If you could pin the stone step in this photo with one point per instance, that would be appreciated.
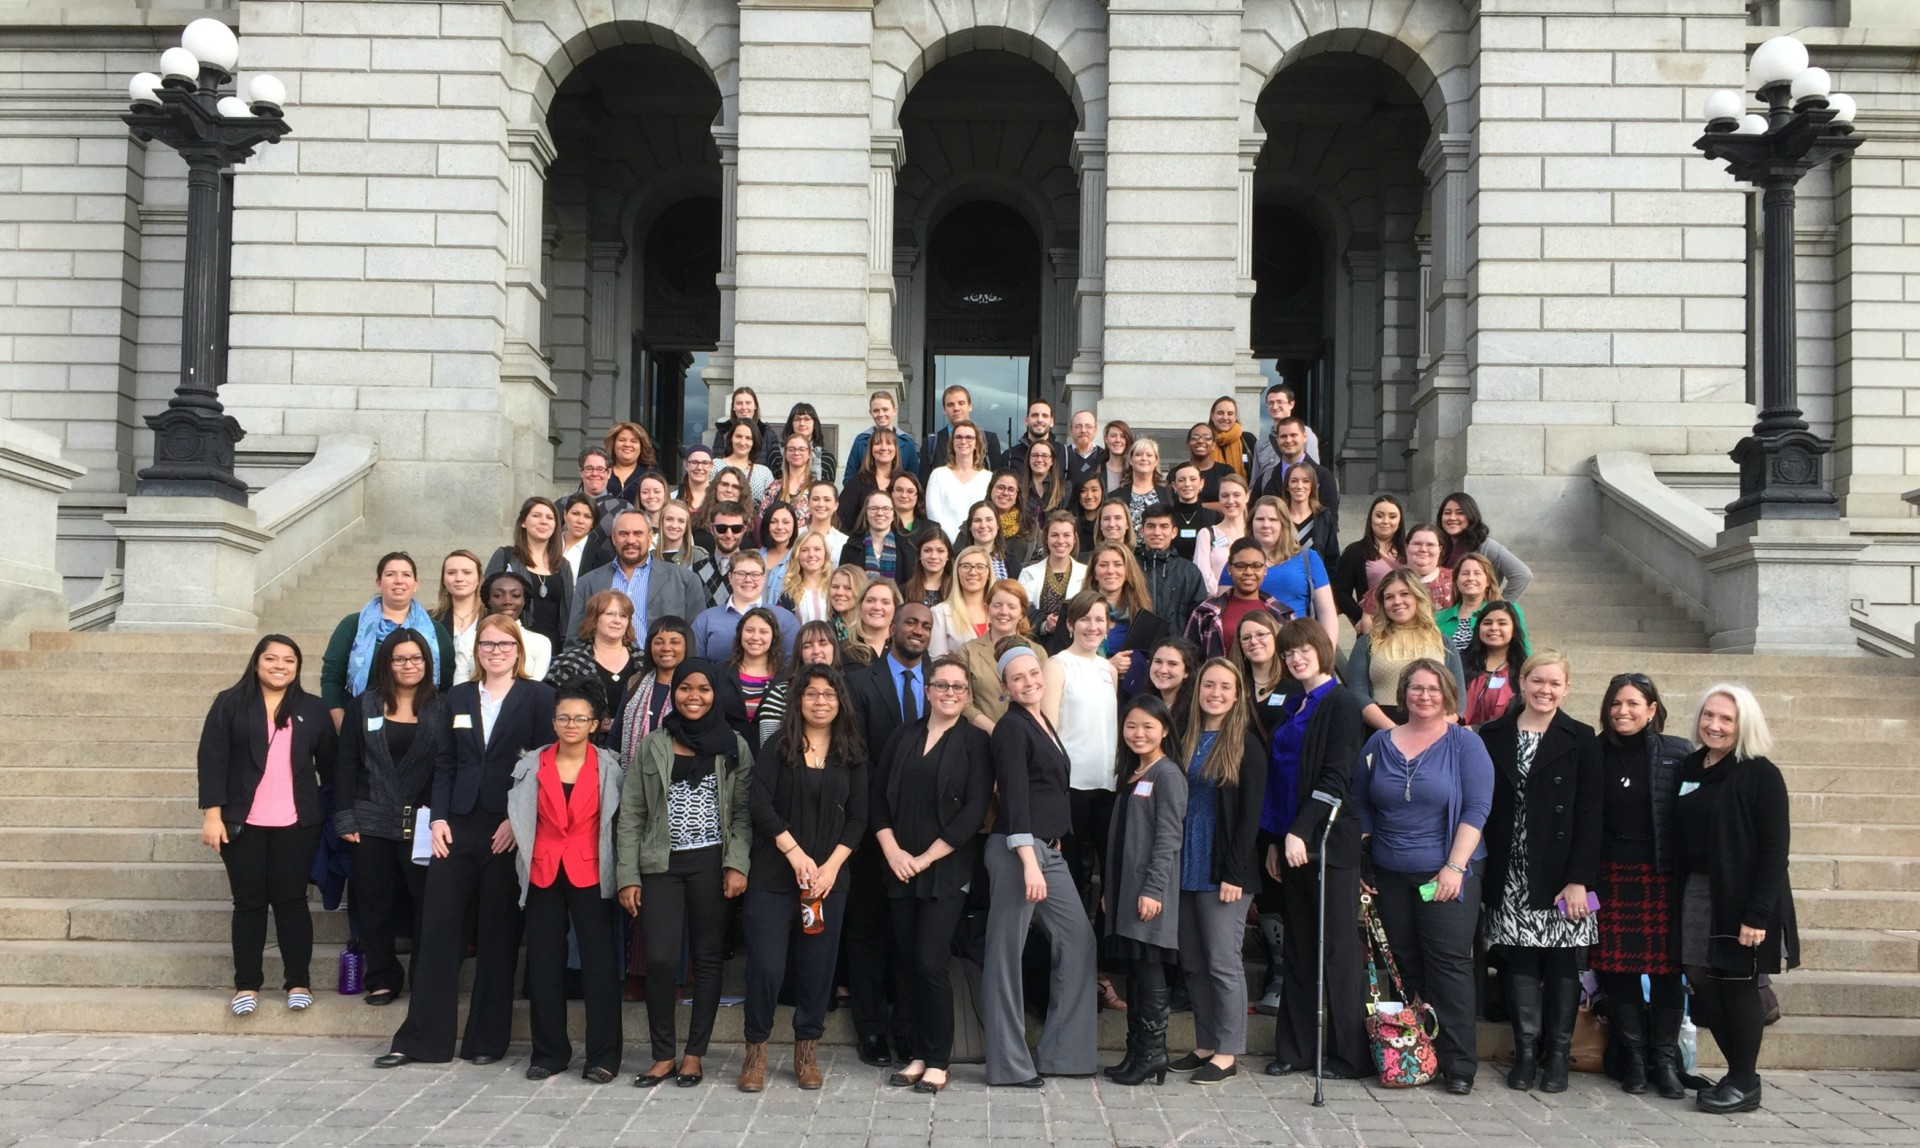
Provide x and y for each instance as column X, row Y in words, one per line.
column 1808, row 992
column 1739, row 667
column 1860, row 950
column 1860, row 808
column 120, row 846
column 88, row 919
column 1855, row 840
column 100, row 812
column 115, row 641
column 129, row 782
column 157, row 880
column 1792, row 749
column 1851, row 779
column 1857, row 909
column 104, row 730
column 154, row 964
column 176, row 754
column 1860, row 874
column 1779, row 707
column 1667, row 641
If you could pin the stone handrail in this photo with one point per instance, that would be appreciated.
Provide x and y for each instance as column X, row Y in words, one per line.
column 308, row 511
column 33, row 476
column 1656, row 531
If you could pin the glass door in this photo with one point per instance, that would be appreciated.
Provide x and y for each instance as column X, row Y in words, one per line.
column 998, row 384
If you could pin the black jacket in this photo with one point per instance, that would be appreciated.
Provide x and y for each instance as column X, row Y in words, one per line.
column 1335, row 734
column 473, row 772
column 963, row 764
column 854, row 553
column 1323, row 537
column 1236, row 819
column 1350, row 577
column 1189, row 519
column 1749, row 839
column 1016, row 457
column 1175, row 583
column 775, row 808
column 233, row 753
column 1032, row 773
column 1273, row 483
column 1077, row 469
column 1563, row 807
column 875, row 694
column 371, row 790
column 1665, row 755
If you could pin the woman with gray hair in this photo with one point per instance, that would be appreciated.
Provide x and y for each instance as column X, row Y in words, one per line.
column 1736, row 910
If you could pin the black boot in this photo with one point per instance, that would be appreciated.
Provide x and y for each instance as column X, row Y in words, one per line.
column 1630, row 1029
column 1560, row 1008
column 1523, row 1009
column 1150, row 1057
column 1663, row 1053
column 1116, row 1071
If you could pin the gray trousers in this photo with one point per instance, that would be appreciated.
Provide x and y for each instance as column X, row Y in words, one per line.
column 1210, row 937
column 1068, row 1039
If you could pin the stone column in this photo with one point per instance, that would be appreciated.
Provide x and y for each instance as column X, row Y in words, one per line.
column 33, row 476
column 907, row 324
column 1248, row 381
column 1061, row 336
column 607, row 400
column 1442, row 405
column 885, row 155
column 719, row 372
column 567, row 337
column 1085, row 373
column 188, row 564
column 1782, row 586
column 526, row 378
column 1358, row 432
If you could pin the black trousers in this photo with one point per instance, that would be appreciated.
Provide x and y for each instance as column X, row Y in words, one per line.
column 1294, row 1027
column 1730, row 1008
column 923, row 953
column 686, row 899
column 771, row 922
column 471, row 877
column 1433, row 946
column 382, row 868
column 549, row 911
column 1085, row 849
column 872, row 989
column 268, row 867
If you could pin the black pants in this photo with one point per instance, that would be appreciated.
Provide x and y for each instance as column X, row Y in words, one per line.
column 471, row 877
column 1433, row 946
column 1294, row 1027
column 771, row 922
column 382, row 868
column 1665, row 990
column 269, row 867
column 922, row 954
column 686, row 899
column 549, row 911
column 1085, row 849
column 867, row 943
column 1730, row 1008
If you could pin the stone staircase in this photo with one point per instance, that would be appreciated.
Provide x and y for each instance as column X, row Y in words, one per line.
column 113, row 916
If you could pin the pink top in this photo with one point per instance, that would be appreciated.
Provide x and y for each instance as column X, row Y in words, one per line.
column 273, row 798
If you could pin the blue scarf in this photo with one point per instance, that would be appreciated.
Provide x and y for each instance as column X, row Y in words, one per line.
column 374, row 629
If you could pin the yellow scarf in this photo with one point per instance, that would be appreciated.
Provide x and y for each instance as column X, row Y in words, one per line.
column 1230, row 450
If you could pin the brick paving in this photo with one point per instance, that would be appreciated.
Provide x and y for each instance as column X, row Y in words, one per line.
column 175, row 1090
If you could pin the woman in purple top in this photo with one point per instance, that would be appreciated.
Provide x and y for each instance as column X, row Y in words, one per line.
column 1423, row 792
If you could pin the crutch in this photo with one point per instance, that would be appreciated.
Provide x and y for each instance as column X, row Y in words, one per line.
column 1320, row 958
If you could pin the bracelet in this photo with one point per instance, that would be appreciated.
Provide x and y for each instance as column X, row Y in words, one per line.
column 1460, row 869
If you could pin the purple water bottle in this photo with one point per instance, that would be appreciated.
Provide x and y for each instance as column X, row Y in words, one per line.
column 353, row 970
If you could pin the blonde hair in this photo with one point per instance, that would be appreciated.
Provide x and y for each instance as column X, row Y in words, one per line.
column 794, row 584
column 1287, row 545
column 856, row 578
column 1545, row 658
column 1419, row 638
column 956, row 600
column 1485, row 564
column 684, row 555
column 505, row 625
column 1751, row 736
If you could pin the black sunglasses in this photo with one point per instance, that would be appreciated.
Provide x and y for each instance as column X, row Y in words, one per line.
column 728, row 528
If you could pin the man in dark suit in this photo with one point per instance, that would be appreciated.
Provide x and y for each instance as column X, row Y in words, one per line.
column 958, row 404
column 1039, row 429
column 657, row 589
column 1290, row 434
column 888, row 693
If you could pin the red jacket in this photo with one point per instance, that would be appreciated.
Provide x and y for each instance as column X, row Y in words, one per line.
column 567, row 837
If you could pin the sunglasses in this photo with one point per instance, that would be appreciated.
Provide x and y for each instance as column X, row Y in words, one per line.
column 728, row 527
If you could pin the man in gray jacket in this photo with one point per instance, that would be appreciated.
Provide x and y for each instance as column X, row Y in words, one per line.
column 657, row 589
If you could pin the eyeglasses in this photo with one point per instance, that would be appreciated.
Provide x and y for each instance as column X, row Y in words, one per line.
column 574, row 719
column 1300, row 653
column 495, row 647
column 947, row 687
column 1425, row 692
column 1247, row 567
column 729, row 527
column 750, row 575
column 409, row 660
column 820, row 696
column 593, row 470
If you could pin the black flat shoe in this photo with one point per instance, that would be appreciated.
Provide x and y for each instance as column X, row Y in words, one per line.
column 1036, row 1082
column 1340, row 1070
column 1187, row 1063
column 535, row 1072
column 483, row 1058
column 383, row 997
column 1210, row 1073
column 648, row 1080
column 1283, row 1068
column 1460, row 1085
column 393, row 1060
column 903, row 1080
column 874, row 1051
column 598, row 1075
column 1725, row 1099
column 689, row 1079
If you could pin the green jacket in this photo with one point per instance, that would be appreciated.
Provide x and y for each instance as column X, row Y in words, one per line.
column 333, row 663
column 640, row 835
column 1449, row 618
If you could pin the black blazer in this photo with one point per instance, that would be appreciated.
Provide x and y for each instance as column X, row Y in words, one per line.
column 233, row 753
column 1564, row 796
column 1144, row 631
column 472, row 773
column 774, row 807
column 371, row 790
column 1750, row 835
column 1032, row 771
column 1236, row 819
column 1350, row 577
column 876, row 700
column 963, row 763
column 1335, row 735
column 854, row 553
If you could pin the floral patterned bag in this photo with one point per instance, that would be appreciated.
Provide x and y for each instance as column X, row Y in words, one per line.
column 1402, row 1037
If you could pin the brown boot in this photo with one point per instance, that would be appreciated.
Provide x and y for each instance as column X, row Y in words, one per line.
column 753, row 1069
column 806, row 1064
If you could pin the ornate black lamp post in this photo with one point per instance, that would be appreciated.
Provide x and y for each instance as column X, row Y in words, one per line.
column 1805, row 125
column 192, row 111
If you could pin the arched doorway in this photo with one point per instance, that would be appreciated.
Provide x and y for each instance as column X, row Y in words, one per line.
column 633, row 218
column 1289, row 310
column 986, row 246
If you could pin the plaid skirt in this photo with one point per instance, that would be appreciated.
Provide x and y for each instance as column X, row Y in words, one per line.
column 1636, row 921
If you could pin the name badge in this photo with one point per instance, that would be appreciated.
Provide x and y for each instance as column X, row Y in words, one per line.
column 374, row 724
column 1496, row 681
column 1687, row 787
column 1190, row 533
column 1143, row 789
column 463, row 721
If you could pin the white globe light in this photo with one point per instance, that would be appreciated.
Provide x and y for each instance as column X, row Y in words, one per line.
column 144, row 88
column 1751, row 125
column 179, row 62
column 233, row 107
column 1779, row 60
column 1843, row 107
column 213, row 42
column 1726, row 105
column 1812, row 82
column 264, row 89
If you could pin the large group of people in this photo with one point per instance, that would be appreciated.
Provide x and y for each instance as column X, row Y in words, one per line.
column 872, row 727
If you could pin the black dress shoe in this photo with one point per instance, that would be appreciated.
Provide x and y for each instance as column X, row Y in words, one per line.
column 648, row 1080
column 383, row 997
column 535, row 1072
column 1340, row 1070
column 874, row 1051
column 598, row 1075
column 1036, row 1082
column 689, row 1079
column 392, row 1060
column 483, row 1058
column 1725, row 1100
column 1284, row 1068
column 1460, row 1085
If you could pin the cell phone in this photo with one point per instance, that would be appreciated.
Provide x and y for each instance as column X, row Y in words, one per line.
column 1593, row 903
column 1428, row 890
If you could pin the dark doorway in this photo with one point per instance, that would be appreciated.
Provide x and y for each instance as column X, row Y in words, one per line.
column 682, row 325
column 1289, row 310
column 983, row 313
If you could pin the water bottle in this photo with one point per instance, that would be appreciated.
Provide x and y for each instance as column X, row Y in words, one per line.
column 1689, row 1044
column 353, row 970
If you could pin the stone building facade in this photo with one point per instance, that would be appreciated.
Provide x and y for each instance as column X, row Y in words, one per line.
column 1473, row 233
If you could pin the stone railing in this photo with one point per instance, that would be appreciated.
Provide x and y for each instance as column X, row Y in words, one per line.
column 311, row 510
column 33, row 476
column 1656, row 531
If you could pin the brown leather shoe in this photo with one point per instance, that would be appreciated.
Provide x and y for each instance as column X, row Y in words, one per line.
column 806, row 1064
column 753, row 1068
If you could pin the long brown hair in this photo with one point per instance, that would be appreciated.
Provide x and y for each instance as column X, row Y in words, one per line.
column 523, row 543
column 443, row 613
column 1227, row 755
column 1133, row 597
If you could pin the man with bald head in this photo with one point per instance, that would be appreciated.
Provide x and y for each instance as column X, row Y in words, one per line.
column 656, row 589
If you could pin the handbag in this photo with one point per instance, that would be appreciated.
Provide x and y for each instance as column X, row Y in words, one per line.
column 1402, row 1039
column 1588, row 1051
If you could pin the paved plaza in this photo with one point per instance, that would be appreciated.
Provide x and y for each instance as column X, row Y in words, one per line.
column 72, row 1090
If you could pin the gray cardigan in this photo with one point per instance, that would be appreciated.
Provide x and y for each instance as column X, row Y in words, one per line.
column 1143, row 859
column 523, row 814
column 1515, row 575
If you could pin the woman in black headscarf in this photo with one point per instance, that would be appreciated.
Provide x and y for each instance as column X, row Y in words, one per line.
column 683, row 838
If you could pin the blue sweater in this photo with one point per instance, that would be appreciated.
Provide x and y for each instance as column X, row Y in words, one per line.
column 1412, row 810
